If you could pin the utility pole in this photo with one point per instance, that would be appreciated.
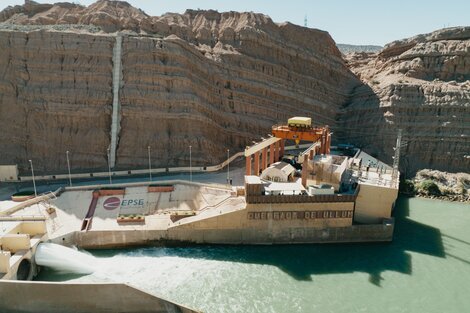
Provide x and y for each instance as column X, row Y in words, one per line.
column 150, row 163
column 228, row 166
column 190, row 166
column 68, row 166
column 34, row 182
column 109, row 170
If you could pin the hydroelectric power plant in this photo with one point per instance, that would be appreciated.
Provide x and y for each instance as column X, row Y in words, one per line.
column 314, row 195
column 134, row 178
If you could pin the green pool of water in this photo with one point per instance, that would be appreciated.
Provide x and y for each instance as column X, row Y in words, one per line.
column 425, row 269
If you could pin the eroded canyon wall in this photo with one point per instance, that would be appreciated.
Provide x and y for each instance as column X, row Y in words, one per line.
column 217, row 81
column 55, row 95
column 422, row 86
column 211, row 80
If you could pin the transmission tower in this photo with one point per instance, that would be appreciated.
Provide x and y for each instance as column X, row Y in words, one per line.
column 396, row 160
column 305, row 21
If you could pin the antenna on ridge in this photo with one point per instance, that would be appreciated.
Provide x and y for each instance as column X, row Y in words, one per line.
column 305, row 20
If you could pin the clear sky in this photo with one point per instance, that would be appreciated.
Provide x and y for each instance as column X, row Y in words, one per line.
column 355, row 22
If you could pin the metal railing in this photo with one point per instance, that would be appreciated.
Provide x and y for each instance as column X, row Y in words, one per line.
column 40, row 198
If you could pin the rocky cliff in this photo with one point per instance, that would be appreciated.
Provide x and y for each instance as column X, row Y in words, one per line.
column 422, row 86
column 55, row 91
column 213, row 81
column 207, row 79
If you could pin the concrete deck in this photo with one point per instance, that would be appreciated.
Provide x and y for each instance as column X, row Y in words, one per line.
column 157, row 207
column 134, row 214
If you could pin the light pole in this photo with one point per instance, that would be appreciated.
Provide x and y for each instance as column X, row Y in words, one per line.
column 109, row 170
column 68, row 166
column 228, row 166
column 190, row 166
column 150, row 164
column 34, row 182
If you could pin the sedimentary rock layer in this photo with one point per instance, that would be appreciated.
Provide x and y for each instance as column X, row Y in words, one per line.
column 217, row 81
column 420, row 85
column 211, row 80
column 55, row 95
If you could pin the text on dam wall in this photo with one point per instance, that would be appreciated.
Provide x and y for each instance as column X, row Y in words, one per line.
column 292, row 215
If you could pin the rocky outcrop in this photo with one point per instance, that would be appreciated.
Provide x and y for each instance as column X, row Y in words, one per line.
column 450, row 186
column 30, row 8
column 422, row 86
column 206, row 79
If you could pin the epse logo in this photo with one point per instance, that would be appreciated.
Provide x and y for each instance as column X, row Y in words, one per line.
column 114, row 202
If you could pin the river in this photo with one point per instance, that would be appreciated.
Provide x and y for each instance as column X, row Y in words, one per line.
column 425, row 269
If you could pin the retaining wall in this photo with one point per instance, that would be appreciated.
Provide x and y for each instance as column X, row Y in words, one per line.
column 52, row 297
column 291, row 235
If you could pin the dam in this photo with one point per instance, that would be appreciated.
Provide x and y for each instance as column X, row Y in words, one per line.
column 311, row 194
column 330, row 198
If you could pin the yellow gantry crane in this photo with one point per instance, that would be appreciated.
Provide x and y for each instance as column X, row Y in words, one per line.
column 300, row 129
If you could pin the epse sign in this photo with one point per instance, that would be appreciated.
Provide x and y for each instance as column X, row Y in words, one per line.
column 114, row 202
column 132, row 202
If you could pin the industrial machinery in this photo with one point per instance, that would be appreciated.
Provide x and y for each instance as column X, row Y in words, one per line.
column 300, row 129
column 297, row 129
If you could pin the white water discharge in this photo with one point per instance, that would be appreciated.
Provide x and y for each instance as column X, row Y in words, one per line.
column 65, row 259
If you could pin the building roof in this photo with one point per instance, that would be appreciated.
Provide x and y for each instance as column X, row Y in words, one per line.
column 283, row 166
column 252, row 179
column 279, row 171
column 275, row 186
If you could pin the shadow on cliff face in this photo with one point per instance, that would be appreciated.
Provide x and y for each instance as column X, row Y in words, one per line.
column 364, row 123
column 304, row 262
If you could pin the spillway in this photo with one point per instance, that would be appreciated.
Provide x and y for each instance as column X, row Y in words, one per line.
column 65, row 260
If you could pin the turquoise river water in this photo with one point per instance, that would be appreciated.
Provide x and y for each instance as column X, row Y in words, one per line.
column 425, row 269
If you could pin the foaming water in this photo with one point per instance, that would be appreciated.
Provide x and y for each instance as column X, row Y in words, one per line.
column 425, row 269
column 64, row 260
column 206, row 278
